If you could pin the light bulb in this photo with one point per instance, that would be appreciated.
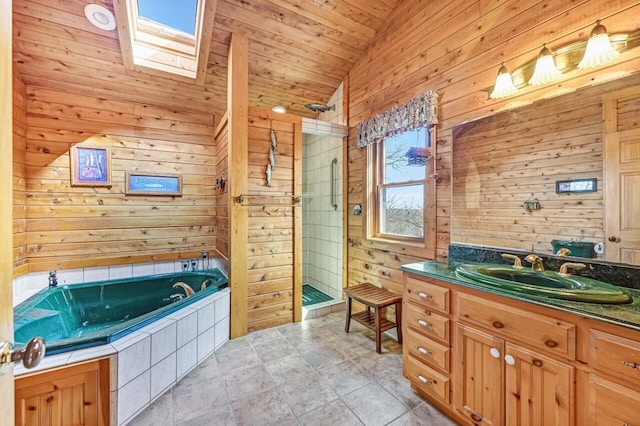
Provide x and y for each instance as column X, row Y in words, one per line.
column 504, row 84
column 545, row 71
column 599, row 50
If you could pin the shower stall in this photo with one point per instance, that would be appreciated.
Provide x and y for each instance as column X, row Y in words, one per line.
column 322, row 221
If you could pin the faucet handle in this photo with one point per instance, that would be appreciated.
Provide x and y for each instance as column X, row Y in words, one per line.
column 563, row 268
column 532, row 258
column 563, row 252
column 517, row 263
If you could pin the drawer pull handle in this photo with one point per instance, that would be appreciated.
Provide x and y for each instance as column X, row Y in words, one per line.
column 424, row 379
column 424, row 295
column 424, row 323
column 498, row 324
column 476, row 417
column 423, row 351
column 551, row 343
column 510, row 360
column 631, row 364
column 494, row 353
column 537, row 362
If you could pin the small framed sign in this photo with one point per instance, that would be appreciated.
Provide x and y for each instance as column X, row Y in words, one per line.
column 576, row 185
column 153, row 184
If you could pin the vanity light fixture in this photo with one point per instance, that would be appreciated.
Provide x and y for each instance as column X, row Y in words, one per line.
column 279, row 109
column 546, row 70
column 599, row 50
column 100, row 17
column 504, row 84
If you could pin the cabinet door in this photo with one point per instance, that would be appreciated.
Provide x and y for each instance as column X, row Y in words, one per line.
column 539, row 390
column 69, row 396
column 478, row 376
column 611, row 403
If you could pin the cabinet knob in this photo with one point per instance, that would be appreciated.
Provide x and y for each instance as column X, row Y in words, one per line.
column 614, row 239
column 497, row 324
column 494, row 353
column 509, row 360
column 551, row 343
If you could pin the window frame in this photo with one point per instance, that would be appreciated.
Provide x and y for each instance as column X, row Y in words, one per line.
column 376, row 184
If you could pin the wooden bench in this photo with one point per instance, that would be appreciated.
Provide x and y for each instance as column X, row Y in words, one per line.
column 376, row 298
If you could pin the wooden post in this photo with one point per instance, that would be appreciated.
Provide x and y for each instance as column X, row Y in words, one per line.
column 238, row 110
column 6, row 201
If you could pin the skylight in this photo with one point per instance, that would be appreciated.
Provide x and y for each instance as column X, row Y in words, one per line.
column 166, row 35
column 179, row 15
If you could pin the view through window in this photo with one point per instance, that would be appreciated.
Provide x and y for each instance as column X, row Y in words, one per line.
column 179, row 15
column 400, row 179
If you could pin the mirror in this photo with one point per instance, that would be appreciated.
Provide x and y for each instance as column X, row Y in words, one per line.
column 550, row 155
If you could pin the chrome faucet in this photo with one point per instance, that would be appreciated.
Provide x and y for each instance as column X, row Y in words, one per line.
column 53, row 279
column 536, row 262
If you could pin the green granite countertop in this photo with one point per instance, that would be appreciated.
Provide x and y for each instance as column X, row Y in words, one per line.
column 627, row 315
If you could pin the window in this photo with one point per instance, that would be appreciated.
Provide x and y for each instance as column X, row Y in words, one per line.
column 401, row 196
column 166, row 36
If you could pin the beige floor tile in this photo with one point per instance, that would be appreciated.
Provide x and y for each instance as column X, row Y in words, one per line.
column 373, row 405
column 307, row 393
column 247, row 382
column 267, row 408
column 335, row 413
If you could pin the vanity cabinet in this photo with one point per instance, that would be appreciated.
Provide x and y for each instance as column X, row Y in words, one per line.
column 495, row 377
column 501, row 363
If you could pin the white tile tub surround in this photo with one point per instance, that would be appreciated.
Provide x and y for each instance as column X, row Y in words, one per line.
column 27, row 285
column 151, row 360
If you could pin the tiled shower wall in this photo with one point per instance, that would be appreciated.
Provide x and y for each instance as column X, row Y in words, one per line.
column 321, row 224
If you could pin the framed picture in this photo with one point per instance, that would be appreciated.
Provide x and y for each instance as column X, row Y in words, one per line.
column 576, row 185
column 90, row 165
column 153, row 184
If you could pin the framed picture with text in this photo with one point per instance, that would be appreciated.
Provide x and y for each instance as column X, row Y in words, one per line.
column 153, row 184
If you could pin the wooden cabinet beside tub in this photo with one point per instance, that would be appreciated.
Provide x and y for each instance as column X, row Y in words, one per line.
column 75, row 395
column 486, row 359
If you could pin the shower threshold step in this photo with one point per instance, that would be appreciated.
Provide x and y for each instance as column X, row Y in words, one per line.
column 324, row 308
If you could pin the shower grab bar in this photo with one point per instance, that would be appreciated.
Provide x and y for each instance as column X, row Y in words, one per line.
column 295, row 200
column 333, row 200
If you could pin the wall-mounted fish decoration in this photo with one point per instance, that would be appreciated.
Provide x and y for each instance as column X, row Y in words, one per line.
column 268, row 171
column 272, row 159
column 274, row 141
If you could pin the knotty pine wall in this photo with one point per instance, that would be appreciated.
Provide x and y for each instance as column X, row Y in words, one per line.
column 499, row 161
column 72, row 227
column 222, row 194
column 19, row 175
column 274, row 246
column 456, row 48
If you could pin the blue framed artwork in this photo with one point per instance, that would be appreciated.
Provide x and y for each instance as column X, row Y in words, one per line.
column 153, row 184
column 576, row 185
column 90, row 165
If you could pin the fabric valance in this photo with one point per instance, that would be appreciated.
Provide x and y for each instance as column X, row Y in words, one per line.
column 421, row 111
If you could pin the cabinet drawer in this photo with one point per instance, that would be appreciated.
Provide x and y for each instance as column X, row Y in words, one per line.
column 427, row 379
column 426, row 322
column 555, row 336
column 614, row 354
column 427, row 351
column 428, row 295
column 612, row 404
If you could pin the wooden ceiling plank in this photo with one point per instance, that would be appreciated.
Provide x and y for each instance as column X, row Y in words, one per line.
column 255, row 23
column 343, row 24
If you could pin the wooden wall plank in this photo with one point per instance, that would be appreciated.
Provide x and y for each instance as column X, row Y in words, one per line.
column 19, row 173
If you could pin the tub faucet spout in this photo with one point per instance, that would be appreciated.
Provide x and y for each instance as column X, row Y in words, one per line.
column 536, row 262
column 53, row 279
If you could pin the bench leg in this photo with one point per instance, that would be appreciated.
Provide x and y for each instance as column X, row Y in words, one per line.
column 348, row 320
column 399, row 321
column 378, row 332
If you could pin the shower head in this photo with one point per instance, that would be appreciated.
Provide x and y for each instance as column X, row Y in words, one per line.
column 320, row 108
